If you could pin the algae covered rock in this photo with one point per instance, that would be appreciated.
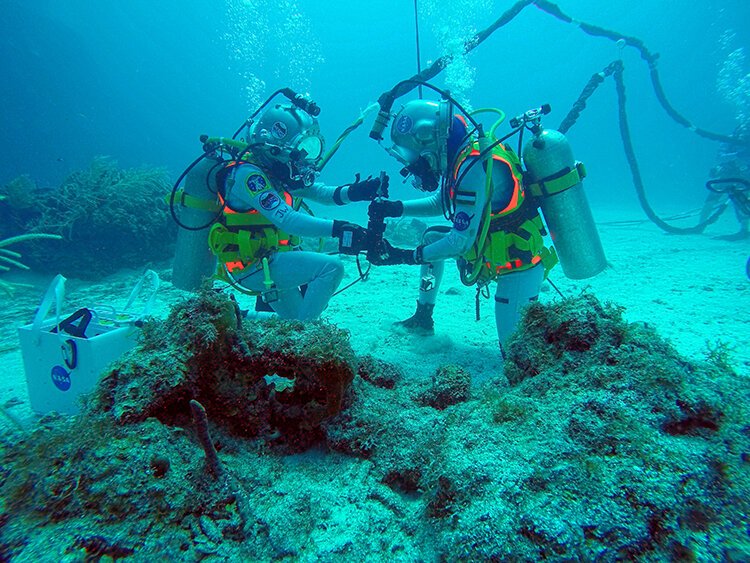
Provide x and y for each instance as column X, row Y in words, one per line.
column 273, row 378
column 451, row 385
column 127, row 476
column 605, row 445
column 379, row 373
column 564, row 335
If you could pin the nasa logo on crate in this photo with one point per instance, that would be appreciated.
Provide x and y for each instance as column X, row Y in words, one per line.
column 60, row 377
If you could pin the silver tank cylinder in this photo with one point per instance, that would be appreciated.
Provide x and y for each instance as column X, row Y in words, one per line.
column 566, row 213
column 193, row 260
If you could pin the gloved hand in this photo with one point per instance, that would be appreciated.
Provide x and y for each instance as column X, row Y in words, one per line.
column 388, row 255
column 352, row 237
column 385, row 208
column 369, row 189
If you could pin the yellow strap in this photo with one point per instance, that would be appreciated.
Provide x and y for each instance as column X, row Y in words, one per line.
column 248, row 245
column 228, row 142
column 549, row 259
column 559, row 184
column 267, row 281
column 535, row 242
column 187, row 200
column 219, row 237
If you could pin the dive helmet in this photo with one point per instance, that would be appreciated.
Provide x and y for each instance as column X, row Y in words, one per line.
column 286, row 134
column 420, row 133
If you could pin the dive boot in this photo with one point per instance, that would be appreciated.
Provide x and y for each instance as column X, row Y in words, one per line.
column 421, row 322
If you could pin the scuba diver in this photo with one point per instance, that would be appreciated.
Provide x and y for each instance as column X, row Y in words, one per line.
column 731, row 183
column 479, row 184
column 258, row 191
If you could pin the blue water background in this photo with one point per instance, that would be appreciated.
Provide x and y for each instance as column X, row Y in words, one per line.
column 140, row 81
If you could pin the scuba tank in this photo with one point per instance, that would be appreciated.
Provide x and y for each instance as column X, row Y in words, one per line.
column 193, row 260
column 555, row 179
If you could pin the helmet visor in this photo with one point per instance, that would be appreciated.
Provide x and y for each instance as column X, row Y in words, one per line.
column 312, row 147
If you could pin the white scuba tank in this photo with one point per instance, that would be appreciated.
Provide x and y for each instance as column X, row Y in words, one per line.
column 548, row 157
column 193, row 260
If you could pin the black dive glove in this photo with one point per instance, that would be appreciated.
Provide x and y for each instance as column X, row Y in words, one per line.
column 364, row 190
column 352, row 237
column 389, row 255
column 384, row 208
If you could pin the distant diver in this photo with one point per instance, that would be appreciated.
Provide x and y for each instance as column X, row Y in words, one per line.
column 731, row 183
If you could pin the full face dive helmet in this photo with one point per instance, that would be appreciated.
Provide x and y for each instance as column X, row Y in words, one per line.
column 288, row 140
column 420, row 133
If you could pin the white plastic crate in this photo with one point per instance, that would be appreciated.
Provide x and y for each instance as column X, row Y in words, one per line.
column 64, row 356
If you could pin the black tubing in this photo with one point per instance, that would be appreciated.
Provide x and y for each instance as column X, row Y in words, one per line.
column 650, row 58
column 173, row 194
column 386, row 99
column 635, row 170
column 580, row 104
column 406, row 86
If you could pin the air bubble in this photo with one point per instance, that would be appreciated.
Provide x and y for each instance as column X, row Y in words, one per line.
column 733, row 80
column 270, row 42
column 453, row 24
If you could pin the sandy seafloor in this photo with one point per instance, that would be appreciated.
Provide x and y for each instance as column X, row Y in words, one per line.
column 692, row 288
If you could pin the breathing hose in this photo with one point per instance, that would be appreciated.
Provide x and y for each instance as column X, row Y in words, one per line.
column 615, row 69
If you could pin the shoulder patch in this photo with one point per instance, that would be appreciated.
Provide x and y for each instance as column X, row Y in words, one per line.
column 256, row 183
column 269, row 201
column 461, row 221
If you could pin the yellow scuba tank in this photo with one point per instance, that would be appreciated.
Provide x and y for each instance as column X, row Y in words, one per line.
column 193, row 260
column 555, row 179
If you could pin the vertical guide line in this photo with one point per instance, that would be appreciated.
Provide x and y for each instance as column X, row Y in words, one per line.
column 419, row 58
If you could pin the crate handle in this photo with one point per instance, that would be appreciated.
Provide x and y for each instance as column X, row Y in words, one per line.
column 55, row 293
column 153, row 277
column 68, row 326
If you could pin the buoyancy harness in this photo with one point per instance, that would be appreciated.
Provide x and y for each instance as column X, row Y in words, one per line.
column 511, row 231
column 244, row 238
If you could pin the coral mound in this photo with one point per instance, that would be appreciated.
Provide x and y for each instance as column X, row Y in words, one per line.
column 275, row 379
column 131, row 470
column 600, row 443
